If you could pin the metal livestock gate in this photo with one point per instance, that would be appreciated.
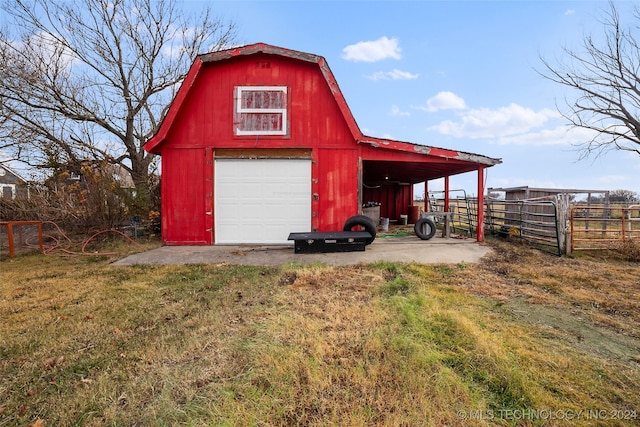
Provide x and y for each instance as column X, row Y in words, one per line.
column 603, row 227
column 540, row 223
column 552, row 223
column 535, row 222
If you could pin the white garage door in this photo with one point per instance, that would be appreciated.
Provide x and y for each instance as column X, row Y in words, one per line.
column 261, row 201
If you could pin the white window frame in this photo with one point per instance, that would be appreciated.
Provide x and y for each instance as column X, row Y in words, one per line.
column 12, row 187
column 282, row 111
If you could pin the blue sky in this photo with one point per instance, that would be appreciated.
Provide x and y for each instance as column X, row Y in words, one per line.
column 452, row 74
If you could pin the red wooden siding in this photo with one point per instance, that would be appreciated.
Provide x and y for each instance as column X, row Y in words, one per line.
column 395, row 199
column 337, row 178
column 185, row 191
column 315, row 121
column 206, row 117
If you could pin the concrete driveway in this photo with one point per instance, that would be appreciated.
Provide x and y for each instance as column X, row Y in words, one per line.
column 404, row 249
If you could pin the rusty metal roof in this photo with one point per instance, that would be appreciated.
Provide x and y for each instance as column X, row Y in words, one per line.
column 460, row 161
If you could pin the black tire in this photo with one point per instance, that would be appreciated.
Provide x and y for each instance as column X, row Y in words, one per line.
column 427, row 225
column 364, row 222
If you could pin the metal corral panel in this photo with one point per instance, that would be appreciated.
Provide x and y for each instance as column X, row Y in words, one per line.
column 261, row 201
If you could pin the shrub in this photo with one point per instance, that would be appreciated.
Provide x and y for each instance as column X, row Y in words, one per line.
column 97, row 200
column 629, row 250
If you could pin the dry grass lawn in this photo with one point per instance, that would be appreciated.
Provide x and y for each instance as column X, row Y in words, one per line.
column 522, row 338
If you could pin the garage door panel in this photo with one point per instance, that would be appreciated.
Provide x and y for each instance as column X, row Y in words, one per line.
column 261, row 201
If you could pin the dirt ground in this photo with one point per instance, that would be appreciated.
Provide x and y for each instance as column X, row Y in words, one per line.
column 590, row 301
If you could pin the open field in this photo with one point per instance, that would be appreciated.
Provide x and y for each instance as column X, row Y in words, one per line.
column 523, row 338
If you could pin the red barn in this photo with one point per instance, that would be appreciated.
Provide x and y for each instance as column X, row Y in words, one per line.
column 259, row 142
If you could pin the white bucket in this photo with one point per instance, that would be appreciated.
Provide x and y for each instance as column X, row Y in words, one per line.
column 384, row 223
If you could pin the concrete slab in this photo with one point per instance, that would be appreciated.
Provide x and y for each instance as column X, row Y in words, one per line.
column 405, row 249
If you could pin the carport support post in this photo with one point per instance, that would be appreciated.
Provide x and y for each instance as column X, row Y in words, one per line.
column 480, row 227
column 426, row 195
column 446, row 193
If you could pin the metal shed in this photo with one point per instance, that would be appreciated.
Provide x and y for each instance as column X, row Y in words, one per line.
column 259, row 141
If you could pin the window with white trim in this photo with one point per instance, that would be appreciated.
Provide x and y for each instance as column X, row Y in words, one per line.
column 260, row 110
column 8, row 191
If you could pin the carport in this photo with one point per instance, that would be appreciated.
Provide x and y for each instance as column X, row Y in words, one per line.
column 390, row 180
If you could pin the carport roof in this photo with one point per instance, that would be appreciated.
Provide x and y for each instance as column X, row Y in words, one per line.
column 412, row 163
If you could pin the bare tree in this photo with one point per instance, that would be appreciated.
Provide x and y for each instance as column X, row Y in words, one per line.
column 623, row 196
column 605, row 77
column 92, row 79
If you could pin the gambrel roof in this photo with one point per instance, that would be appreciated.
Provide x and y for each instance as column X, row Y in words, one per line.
column 411, row 156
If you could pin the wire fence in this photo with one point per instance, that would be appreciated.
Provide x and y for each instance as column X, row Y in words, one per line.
column 16, row 236
column 19, row 237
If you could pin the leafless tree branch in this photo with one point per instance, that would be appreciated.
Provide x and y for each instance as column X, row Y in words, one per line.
column 605, row 79
column 92, row 79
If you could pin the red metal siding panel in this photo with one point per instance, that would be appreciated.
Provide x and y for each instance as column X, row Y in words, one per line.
column 395, row 199
column 383, row 153
column 185, row 190
column 337, row 175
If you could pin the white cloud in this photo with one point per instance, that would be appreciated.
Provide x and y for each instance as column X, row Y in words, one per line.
column 177, row 40
column 444, row 101
column 48, row 47
column 4, row 157
column 395, row 74
column 395, row 111
column 372, row 51
column 173, row 51
column 560, row 135
column 500, row 123
column 611, row 179
column 569, row 12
